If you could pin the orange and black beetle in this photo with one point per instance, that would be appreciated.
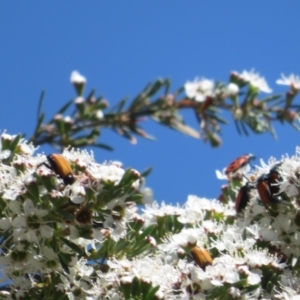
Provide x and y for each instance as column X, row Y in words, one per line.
column 61, row 167
column 201, row 257
column 268, row 188
column 274, row 178
column 242, row 197
column 239, row 163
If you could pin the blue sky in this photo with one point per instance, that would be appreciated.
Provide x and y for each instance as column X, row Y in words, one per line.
column 120, row 46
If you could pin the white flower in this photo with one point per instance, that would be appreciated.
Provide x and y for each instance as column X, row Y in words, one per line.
column 121, row 213
column 79, row 100
column 289, row 288
column 23, row 223
column 234, row 292
column 5, row 223
column 76, row 192
column 15, row 207
column 77, row 78
column 106, row 172
column 255, row 80
column 200, row 205
column 289, row 170
column 147, row 195
column 257, row 258
column 253, row 279
column 221, row 175
column 152, row 270
column 199, row 89
column 232, row 89
column 79, row 157
column 293, row 81
column 68, row 119
column 26, row 148
column 154, row 210
column 296, row 239
column 195, row 209
column 99, row 114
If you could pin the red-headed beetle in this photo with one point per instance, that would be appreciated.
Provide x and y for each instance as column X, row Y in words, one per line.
column 239, row 163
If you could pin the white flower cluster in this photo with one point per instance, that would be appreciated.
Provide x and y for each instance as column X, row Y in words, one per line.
column 261, row 242
column 200, row 89
column 87, row 240
column 238, row 259
column 48, row 227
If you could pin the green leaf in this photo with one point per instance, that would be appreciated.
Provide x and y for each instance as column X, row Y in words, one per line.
column 136, row 198
column 80, row 142
column 119, row 106
column 126, row 177
column 34, row 191
column 185, row 129
column 39, row 111
column 167, row 85
column 219, row 119
column 244, row 129
column 147, row 88
column 60, row 124
column 178, row 91
column 270, row 98
column 146, row 286
column 65, row 107
column 276, row 104
column 146, row 172
column 15, row 143
column 40, row 120
column 103, row 146
column 63, row 264
column 139, row 101
column 237, row 126
column 13, row 148
column 72, row 245
column 91, row 95
column 155, row 87
column 252, row 288
column 136, row 287
column 54, row 244
column 146, row 232
column 151, row 293
column 67, row 215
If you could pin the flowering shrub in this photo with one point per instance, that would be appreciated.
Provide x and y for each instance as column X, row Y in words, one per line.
column 93, row 239
column 80, row 121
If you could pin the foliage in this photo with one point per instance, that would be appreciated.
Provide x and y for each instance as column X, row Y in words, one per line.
column 207, row 99
column 77, row 229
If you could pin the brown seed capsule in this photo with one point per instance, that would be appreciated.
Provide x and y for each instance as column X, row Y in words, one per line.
column 201, row 257
column 83, row 215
